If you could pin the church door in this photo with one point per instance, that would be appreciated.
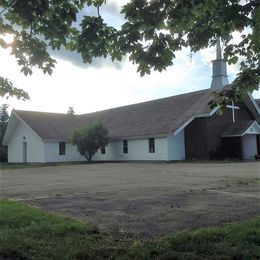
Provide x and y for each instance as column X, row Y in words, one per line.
column 249, row 147
column 24, row 152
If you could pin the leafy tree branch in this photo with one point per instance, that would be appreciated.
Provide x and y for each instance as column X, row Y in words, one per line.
column 7, row 90
column 152, row 33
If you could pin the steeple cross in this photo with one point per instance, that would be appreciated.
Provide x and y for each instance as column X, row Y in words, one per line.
column 233, row 107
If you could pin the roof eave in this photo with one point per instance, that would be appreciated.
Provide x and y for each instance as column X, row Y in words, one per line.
column 20, row 118
column 10, row 128
column 244, row 132
column 227, row 136
column 186, row 123
column 254, row 102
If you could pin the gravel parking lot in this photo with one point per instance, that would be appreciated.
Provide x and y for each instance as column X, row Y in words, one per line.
column 141, row 199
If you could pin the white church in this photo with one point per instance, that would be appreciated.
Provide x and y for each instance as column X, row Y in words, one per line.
column 181, row 127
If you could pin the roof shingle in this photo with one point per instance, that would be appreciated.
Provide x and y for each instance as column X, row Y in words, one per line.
column 237, row 129
column 156, row 117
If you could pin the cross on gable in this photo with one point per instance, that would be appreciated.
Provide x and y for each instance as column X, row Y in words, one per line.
column 233, row 107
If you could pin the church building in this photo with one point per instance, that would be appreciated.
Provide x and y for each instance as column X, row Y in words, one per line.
column 181, row 127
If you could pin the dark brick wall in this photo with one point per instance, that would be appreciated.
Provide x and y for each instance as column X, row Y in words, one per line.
column 195, row 139
column 258, row 144
column 231, row 148
column 217, row 124
column 203, row 135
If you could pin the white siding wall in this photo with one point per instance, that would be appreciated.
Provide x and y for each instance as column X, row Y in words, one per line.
column 139, row 150
column 52, row 153
column 113, row 152
column 167, row 148
column 176, row 147
column 35, row 146
column 249, row 147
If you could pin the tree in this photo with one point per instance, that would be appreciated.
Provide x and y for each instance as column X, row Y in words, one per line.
column 89, row 139
column 152, row 34
column 4, row 117
column 71, row 111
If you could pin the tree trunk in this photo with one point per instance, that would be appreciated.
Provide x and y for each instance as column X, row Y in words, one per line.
column 89, row 156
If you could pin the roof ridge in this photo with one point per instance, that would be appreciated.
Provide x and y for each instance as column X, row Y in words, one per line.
column 145, row 102
column 197, row 102
column 113, row 108
column 40, row 112
column 160, row 116
column 192, row 107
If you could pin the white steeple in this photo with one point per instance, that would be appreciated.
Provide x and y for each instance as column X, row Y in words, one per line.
column 219, row 69
column 219, row 51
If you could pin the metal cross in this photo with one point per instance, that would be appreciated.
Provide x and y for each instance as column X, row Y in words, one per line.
column 233, row 107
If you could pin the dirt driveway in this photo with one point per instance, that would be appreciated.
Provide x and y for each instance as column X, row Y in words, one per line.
column 141, row 199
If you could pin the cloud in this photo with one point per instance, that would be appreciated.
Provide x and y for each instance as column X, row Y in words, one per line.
column 102, row 85
column 76, row 59
column 110, row 12
column 95, row 89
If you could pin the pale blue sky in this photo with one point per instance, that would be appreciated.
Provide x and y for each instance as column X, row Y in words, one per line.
column 103, row 84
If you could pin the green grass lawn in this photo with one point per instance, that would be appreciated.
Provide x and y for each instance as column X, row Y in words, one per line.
column 29, row 233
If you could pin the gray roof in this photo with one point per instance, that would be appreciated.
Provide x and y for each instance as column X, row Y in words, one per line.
column 157, row 117
column 237, row 129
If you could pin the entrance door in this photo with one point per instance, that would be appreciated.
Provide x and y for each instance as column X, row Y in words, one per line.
column 25, row 152
column 249, row 147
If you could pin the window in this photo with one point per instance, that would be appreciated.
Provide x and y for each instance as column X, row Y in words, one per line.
column 103, row 149
column 62, row 148
column 151, row 145
column 125, row 146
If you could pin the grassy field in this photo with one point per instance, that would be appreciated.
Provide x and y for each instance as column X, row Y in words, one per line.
column 8, row 166
column 29, row 233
